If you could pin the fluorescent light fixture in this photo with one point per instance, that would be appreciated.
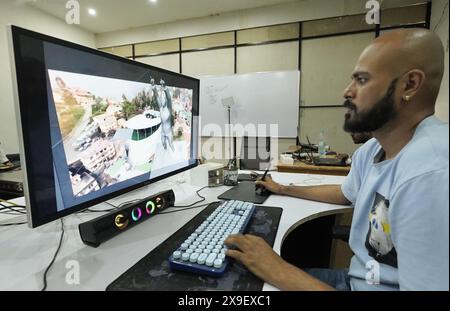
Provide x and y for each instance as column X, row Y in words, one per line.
column 92, row 12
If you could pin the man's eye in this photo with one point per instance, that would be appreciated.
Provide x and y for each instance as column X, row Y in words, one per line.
column 362, row 80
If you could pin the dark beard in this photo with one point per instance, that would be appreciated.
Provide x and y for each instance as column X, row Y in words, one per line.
column 382, row 112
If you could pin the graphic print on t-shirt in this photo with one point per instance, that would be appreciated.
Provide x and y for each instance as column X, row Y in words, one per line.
column 378, row 240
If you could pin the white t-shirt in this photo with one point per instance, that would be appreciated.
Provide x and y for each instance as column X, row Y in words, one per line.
column 400, row 228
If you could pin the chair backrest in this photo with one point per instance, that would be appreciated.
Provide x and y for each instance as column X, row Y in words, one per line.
column 255, row 153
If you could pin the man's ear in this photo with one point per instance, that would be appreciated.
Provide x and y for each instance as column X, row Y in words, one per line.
column 412, row 82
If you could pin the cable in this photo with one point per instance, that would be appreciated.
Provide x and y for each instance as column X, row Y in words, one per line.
column 13, row 224
column 6, row 201
column 101, row 211
column 440, row 19
column 13, row 205
column 54, row 257
column 12, row 208
column 111, row 204
column 198, row 193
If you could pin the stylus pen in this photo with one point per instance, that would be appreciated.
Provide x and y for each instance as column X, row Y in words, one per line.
column 265, row 173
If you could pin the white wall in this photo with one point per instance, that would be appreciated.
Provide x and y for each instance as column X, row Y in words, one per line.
column 30, row 18
column 278, row 14
column 442, row 31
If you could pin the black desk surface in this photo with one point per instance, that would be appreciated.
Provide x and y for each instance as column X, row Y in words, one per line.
column 244, row 191
column 152, row 272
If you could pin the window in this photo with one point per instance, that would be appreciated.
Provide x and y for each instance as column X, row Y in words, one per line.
column 271, row 33
column 335, row 25
column 403, row 16
column 124, row 51
column 207, row 41
column 157, row 47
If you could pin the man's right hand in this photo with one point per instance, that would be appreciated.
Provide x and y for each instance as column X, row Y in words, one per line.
column 270, row 185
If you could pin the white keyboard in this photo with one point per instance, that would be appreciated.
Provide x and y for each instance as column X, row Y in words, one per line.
column 203, row 251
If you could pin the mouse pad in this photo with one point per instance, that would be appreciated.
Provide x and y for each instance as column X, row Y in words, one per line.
column 152, row 272
column 244, row 191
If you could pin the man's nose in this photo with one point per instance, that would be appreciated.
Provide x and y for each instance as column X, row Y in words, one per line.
column 349, row 92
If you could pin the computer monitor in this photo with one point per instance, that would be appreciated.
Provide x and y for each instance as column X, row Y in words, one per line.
column 94, row 125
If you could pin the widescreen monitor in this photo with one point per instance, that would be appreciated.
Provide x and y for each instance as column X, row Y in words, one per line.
column 94, row 125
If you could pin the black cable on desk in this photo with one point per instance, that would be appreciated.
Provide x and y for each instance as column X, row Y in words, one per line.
column 11, row 208
column 201, row 200
column 54, row 257
column 198, row 193
column 104, row 210
column 13, row 224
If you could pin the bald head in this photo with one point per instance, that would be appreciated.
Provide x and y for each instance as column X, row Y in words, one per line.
column 395, row 82
column 400, row 51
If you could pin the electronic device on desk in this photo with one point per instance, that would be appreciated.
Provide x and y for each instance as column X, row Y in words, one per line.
column 103, row 228
column 9, row 162
column 11, row 184
column 308, row 147
column 108, row 131
column 338, row 160
column 207, row 174
column 252, row 176
column 203, row 251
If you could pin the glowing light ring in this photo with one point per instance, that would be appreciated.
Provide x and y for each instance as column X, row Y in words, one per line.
column 149, row 205
column 118, row 221
column 133, row 214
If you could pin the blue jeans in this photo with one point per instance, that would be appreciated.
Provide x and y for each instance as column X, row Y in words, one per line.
column 338, row 279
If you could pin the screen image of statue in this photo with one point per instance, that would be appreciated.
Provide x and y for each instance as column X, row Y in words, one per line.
column 113, row 130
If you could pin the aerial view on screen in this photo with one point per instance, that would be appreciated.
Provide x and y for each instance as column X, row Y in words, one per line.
column 113, row 130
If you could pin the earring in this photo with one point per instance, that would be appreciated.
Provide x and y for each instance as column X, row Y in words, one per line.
column 407, row 98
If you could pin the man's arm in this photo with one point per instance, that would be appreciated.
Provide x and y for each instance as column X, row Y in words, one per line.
column 262, row 261
column 323, row 193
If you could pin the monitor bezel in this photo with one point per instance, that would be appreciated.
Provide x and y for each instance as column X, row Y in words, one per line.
column 32, row 216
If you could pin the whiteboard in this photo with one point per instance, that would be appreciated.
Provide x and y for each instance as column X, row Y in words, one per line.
column 259, row 99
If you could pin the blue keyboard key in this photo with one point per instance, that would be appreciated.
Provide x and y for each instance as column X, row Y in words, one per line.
column 203, row 252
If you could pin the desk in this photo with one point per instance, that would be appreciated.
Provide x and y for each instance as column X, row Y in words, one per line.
column 25, row 253
column 300, row 167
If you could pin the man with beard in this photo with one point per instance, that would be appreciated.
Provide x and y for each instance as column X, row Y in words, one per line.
column 361, row 137
column 398, row 182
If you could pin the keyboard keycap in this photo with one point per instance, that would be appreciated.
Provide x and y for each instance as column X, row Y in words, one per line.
column 203, row 251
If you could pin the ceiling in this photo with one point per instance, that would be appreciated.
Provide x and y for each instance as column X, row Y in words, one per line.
column 115, row 15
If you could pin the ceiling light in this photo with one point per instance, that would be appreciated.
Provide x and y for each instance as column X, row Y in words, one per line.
column 92, row 12
column 153, row 1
